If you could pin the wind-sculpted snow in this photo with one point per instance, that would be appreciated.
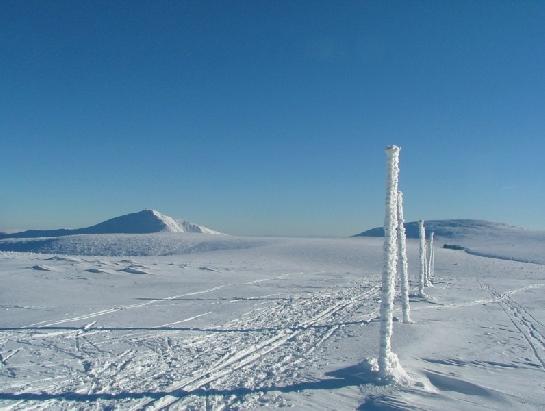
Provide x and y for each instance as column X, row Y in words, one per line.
column 127, row 244
column 526, row 249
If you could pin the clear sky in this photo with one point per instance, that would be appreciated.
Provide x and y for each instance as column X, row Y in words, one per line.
column 270, row 117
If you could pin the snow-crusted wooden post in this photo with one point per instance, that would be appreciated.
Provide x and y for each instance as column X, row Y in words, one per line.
column 403, row 265
column 386, row 357
column 423, row 269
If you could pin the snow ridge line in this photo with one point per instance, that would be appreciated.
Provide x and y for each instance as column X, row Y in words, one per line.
column 250, row 355
column 524, row 323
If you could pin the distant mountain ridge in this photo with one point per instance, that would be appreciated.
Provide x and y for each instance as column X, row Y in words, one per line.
column 480, row 237
column 142, row 222
column 453, row 228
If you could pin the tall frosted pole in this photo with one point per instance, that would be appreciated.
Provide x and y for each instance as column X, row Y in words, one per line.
column 402, row 244
column 423, row 269
column 386, row 356
column 430, row 259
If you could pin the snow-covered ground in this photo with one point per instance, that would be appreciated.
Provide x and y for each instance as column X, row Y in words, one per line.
column 224, row 322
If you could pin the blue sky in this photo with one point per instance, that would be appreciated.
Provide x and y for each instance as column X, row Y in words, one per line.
column 270, row 118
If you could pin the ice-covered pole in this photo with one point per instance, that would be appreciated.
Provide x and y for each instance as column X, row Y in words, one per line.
column 403, row 265
column 422, row 282
column 429, row 264
column 431, row 260
column 390, row 264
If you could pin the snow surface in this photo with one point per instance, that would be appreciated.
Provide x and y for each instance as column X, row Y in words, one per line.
column 127, row 244
column 246, row 323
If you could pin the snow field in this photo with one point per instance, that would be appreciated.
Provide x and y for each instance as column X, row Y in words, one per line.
column 287, row 323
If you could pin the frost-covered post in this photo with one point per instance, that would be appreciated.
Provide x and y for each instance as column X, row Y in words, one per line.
column 386, row 357
column 431, row 258
column 404, row 268
column 423, row 268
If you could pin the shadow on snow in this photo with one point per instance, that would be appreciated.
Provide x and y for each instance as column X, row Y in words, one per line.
column 346, row 377
column 198, row 329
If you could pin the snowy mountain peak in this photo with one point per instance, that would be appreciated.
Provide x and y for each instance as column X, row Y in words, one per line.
column 169, row 223
column 142, row 222
column 172, row 225
column 145, row 221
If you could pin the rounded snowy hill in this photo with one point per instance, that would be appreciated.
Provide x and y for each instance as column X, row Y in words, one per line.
column 452, row 228
column 142, row 222
column 480, row 237
column 147, row 232
column 145, row 222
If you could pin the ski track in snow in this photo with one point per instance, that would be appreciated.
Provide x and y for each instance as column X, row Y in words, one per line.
column 115, row 309
column 271, row 344
column 496, row 297
column 523, row 320
column 242, row 358
column 154, row 370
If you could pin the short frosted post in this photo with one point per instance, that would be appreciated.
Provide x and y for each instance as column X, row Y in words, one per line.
column 403, row 265
column 423, row 268
column 390, row 264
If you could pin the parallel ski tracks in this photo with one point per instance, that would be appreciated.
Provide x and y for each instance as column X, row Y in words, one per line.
column 116, row 308
column 133, row 362
column 524, row 321
column 245, row 357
